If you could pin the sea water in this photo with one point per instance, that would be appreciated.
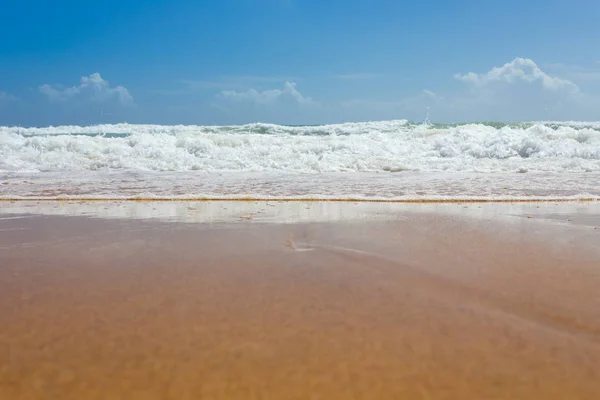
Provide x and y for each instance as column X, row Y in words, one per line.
column 384, row 160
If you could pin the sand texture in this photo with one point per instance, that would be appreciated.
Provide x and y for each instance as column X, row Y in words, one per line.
column 414, row 306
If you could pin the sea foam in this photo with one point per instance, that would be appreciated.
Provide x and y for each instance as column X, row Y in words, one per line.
column 350, row 147
column 387, row 161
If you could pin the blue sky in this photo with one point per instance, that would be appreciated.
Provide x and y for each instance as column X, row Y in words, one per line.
column 297, row 61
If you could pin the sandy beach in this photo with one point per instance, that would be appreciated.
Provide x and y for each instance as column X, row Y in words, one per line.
column 261, row 300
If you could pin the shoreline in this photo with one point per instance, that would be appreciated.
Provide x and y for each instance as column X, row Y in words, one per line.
column 574, row 199
column 409, row 186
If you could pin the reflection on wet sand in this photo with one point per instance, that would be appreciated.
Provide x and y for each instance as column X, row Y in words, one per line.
column 418, row 306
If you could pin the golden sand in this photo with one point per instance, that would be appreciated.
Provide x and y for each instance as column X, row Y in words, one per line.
column 430, row 307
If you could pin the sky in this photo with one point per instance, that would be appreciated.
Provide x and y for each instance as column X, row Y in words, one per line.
column 224, row 62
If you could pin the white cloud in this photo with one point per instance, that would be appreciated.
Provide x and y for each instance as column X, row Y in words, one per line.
column 516, row 91
column 266, row 97
column 518, row 70
column 519, row 90
column 91, row 88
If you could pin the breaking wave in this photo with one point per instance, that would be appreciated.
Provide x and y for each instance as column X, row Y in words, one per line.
column 361, row 147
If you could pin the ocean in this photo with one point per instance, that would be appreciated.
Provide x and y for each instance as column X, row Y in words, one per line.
column 377, row 161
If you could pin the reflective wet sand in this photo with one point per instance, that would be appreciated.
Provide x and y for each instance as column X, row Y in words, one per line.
column 426, row 306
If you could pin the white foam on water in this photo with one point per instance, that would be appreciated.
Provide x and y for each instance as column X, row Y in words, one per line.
column 372, row 146
column 372, row 160
column 373, row 186
column 274, row 212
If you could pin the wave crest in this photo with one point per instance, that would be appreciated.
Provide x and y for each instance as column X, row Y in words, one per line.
column 370, row 146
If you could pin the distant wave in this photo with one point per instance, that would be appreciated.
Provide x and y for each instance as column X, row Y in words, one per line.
column 369, row 146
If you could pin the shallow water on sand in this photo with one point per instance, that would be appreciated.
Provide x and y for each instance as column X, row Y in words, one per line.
column 387, row 186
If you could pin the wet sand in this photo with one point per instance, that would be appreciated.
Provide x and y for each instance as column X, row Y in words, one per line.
column 415, row 305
